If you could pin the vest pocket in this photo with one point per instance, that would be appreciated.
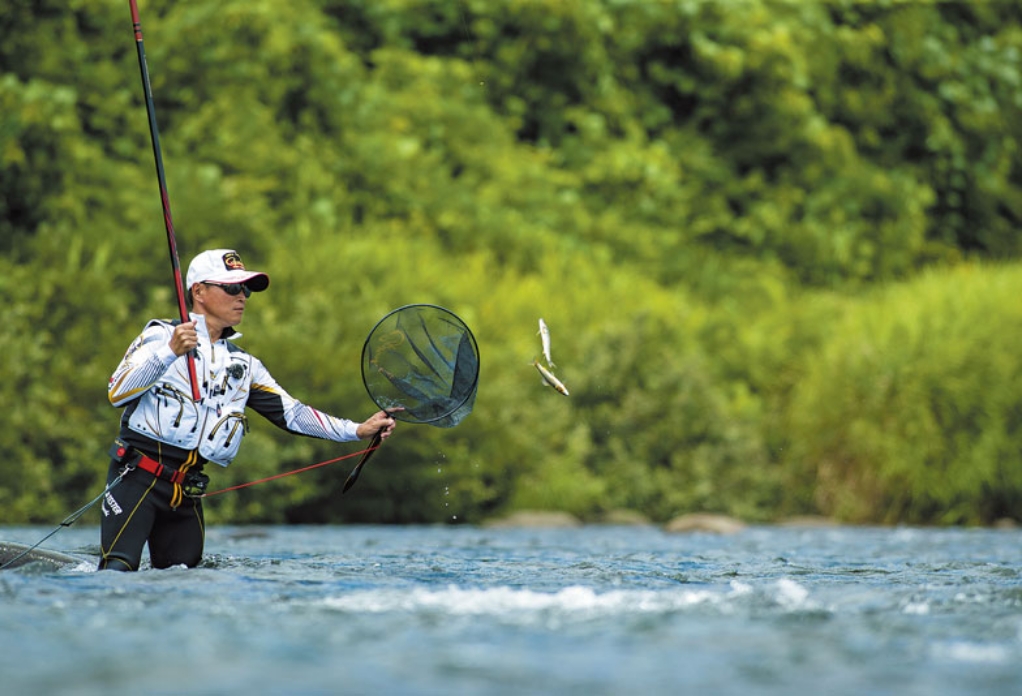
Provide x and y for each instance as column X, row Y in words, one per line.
column 224, row 438
column 167, row 414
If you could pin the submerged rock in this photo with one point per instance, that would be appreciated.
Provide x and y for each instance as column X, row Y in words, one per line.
column 14, row 555
column 807, row 521
column 624, row 517
column 705, row 522
column 536, row 518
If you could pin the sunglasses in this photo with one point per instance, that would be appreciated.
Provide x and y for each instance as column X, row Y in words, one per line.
column 233, row 288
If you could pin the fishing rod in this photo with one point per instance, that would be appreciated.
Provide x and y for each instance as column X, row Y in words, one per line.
column 168, row 221
column 175, row 264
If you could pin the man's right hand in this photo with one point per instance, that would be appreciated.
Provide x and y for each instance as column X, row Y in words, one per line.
column 184, row 338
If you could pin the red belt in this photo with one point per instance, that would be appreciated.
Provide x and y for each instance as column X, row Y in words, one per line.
column 159, row 471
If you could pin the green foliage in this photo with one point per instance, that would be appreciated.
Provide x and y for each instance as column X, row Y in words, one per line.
column 730, row 217
column 909, row 412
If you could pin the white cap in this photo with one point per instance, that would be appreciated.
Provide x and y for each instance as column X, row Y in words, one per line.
column 224, row 266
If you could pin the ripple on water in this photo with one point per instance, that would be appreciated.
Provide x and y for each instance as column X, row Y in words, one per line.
column 590, row 610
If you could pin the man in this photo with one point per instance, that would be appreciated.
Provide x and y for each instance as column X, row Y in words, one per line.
column 166, row 437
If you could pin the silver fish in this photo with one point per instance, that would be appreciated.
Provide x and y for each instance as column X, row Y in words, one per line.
column 549, row 379
column 544, row 334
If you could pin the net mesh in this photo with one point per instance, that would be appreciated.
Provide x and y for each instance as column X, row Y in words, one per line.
column 423, row 360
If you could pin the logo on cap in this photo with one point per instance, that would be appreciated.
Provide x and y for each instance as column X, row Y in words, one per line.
column 232, row 261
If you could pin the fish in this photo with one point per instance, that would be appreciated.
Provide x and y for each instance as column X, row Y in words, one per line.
column 422, row 356
column 549, row 379
column 544, row 334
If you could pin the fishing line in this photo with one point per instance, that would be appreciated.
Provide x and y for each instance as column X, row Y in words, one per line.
column 290, row 473
column 475, row 43
column 68, row 521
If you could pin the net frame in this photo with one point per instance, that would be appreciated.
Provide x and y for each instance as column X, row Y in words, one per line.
column 419, row 377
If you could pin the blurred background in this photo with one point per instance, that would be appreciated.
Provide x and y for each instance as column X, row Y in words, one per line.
column 776, row 243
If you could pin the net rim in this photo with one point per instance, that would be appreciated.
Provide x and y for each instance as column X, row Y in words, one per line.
column 458, row 322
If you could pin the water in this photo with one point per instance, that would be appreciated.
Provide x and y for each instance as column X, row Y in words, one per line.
column 463, row 610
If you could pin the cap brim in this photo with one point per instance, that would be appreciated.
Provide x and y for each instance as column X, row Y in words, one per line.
column 257, row 282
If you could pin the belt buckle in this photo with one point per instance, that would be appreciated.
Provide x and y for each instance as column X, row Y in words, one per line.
column 194, row 485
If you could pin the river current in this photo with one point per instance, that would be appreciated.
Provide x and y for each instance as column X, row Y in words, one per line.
column 469, row 610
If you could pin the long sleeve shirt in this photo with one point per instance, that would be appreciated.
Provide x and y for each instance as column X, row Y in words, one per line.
column 154, row 386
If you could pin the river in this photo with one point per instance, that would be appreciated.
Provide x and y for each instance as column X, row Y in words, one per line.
column 470, row 610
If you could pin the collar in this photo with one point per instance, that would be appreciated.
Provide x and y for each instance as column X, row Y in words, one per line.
column 203, row 330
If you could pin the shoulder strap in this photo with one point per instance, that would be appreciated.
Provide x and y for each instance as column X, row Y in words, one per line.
column 163, row 322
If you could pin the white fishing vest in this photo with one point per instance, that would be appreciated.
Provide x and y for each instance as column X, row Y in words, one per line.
column 216, row 424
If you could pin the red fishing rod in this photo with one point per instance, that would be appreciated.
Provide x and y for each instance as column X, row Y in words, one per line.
column 164, row 198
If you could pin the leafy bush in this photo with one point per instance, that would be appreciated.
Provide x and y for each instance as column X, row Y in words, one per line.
column 909, row 412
